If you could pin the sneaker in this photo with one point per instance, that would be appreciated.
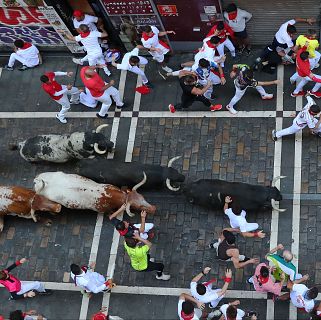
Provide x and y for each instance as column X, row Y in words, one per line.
column 231, row 110
column 213, row 245
column 214, row 314
column 299, row 94
column 123, row 106
column 250, row 314
column 6, row 67
column 171, row 108
column 23, row 68
column 152, row 259
column 47, row 292
column 249, row 280
column 268, row 96
column 102, row 117
column 216, row 107
column 164, row 277
column 274, row 138
column 77, row 61
column 74, row 102
column 61, row 120
column 315, row 94
column 148, row 85
column 167, row 69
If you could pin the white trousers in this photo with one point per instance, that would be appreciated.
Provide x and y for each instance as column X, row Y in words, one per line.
column 64, row 101
column 87, row 99
column 159, row 56
column 229, row 45
column 293, row 129
column 315, row 60
column 148, row 227
column 302, row 82
column 106, row 101
column 215, row 79
column 214, row 303
column 94, row 60
column 28, row 286
column 240, row 93
column 14, row 56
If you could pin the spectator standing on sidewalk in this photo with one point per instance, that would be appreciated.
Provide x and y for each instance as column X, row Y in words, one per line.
column 26, row 53
column 191, row 92
column 140, row 259
column 21, row 289
column 59, row 93
column 237, row 19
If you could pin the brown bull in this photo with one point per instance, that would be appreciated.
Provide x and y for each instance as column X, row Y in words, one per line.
column 23, row 203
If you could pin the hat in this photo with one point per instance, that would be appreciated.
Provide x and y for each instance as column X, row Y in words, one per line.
column 78, row 13
column 143, row 90
column 99, row 316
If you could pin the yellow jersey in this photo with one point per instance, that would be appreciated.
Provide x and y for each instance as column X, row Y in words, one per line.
column 313, row 44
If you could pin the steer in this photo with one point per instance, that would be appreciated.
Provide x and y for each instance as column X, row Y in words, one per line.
column 23, row 203
column 77, row 192
column 129, row 174
column 62, row 148
column 212, row 193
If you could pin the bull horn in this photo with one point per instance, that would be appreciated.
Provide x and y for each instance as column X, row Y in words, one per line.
column 140, row 183
column 97, row 150
column 128, row 210
column 275, row 207
column 276, row 179
column 170, row 187
column 99, row 128
column 170, row 162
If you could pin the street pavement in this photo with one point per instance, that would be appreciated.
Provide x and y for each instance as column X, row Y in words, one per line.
column 211, row 145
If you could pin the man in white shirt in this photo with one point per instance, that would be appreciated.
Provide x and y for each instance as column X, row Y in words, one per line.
column 82, row 18
column 237, row 220
column 204, row 293
column 156, row 47
column 306, row 117
column 131, row 62
column 237, row 19
column 186, row 310
column 231, row 312
column 26, row 53
column 89, row 40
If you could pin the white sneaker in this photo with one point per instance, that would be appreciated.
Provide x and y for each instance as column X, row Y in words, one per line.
column 167, row 69
column 61, row 120
column 316, row 66
column 268, row 96
column 231, row 110
column 74, row 102
column 77, row 61
column 152, row 259
column 214, row 314
column 164, row 277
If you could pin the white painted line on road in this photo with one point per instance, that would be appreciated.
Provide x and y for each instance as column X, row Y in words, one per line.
column 92, row 258
column 115, row 127
column 0, row 72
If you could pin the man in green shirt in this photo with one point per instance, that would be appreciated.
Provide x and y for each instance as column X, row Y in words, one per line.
column 140, row 259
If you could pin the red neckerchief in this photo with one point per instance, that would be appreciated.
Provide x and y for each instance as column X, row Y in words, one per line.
column 310, row 38
column 263, row 280
column 187, row 316
column 211, row 45
column 84, row 34
column 232, row 15
column 123, row 232
column 145, row 36
column 26, row 45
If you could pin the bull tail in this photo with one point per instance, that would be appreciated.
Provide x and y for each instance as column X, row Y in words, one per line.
column 39, row 185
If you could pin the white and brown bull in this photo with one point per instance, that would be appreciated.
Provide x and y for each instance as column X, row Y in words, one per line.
column 77, row 192
column 23, row 203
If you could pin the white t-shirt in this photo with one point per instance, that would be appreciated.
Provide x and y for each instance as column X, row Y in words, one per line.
column 30, row 55
column 304, row 118
column 88, row 21
column 197, row 312
column 238, row 24
column 209, row 296
column 297, row 293
column 125, row 65
column 237, row 221
column 282, row 36
column 91, row 43
column 240, row 313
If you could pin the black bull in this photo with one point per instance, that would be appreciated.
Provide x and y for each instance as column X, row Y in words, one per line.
column 129, row 174
column 212, row 193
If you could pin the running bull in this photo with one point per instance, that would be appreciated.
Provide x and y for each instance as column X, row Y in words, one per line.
column 62, row 148
column 212, row 193
column 77, row 192
column 23, row 203
column 129, row 174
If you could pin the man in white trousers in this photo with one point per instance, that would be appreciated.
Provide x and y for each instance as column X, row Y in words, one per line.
column 131, row 62
column 306, row 117
column 21, row 289
column 89, row 40
column 100, row 90
column 59, row 93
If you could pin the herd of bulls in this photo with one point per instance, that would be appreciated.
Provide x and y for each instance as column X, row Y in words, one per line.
column 104, row 185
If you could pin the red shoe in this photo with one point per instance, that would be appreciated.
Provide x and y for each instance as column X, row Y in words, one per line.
column 171, row 108
column 299, row 94
column 216, row 107
column 315, row 94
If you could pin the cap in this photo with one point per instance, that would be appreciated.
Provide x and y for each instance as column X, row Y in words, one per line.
column 78, row 13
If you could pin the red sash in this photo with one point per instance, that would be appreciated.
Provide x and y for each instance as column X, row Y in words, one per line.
column 26, row 45
column 84, row 34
